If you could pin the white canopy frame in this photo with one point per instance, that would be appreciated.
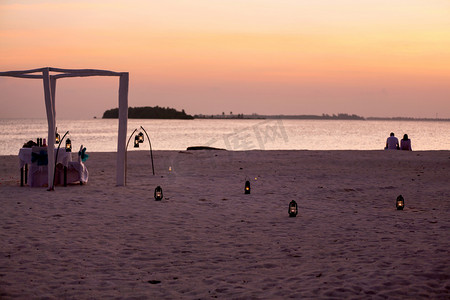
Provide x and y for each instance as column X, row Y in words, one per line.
column 49, row 81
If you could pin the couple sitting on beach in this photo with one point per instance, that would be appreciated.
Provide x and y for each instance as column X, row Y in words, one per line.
column 392, row 143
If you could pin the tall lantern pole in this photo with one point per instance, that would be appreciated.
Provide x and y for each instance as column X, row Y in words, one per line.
column 151, row 152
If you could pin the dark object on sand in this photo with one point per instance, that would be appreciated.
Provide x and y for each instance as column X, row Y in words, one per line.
column 400, row 202
column 293, row 209
column 247, row 187
column 203, row 148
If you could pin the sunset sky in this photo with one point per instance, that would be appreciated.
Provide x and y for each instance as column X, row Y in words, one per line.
column 366, row 57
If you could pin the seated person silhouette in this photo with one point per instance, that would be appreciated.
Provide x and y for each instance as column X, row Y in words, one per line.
column 405, row 143
column 392, row 143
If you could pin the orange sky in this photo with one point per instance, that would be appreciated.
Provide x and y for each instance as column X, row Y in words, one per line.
column 372, row 57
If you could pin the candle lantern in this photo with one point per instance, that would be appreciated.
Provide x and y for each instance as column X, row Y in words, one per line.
column 158, row 193
column 293, row 209
column 68, row 145
column 247, row 187
column 136, row 142
column 57, row 138
column 400, row 202
column 140, row 137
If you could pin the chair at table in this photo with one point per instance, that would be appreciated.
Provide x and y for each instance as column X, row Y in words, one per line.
column 38, row 170
column 77, row 171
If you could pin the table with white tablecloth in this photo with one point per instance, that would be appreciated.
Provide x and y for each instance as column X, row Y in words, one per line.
column 26, row 157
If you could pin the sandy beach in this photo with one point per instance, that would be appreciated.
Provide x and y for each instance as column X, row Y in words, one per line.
column 207, row 239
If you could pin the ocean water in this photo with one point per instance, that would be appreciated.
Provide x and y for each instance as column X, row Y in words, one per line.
column 99, row 135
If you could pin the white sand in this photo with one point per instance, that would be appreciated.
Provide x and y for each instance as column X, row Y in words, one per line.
column 207, row 239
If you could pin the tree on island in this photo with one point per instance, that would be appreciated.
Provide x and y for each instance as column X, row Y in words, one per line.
column 148, row 112
column 342, row 117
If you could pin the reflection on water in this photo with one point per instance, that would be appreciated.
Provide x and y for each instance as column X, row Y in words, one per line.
column 100, row 135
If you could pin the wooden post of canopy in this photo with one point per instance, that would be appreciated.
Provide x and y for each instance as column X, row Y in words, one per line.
column 49, row 105
column 122, row 135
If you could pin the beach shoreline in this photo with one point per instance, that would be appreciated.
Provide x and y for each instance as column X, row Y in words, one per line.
column 207, row 239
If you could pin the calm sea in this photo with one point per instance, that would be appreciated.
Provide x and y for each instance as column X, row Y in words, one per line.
column 99, row 135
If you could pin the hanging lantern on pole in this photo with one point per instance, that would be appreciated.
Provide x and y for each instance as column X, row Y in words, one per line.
column 293, row 209
column 68, row 145
column 400, row 202
column 57, row 136
column 140, row 137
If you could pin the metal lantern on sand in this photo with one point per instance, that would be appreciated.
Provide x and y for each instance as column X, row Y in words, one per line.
column 400, row 202
column 293, row 209
column 247, row 187
column 158, row 193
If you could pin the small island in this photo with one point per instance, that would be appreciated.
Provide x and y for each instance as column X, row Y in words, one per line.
column 148, row 112
column 340, row 116
column 157, row 112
